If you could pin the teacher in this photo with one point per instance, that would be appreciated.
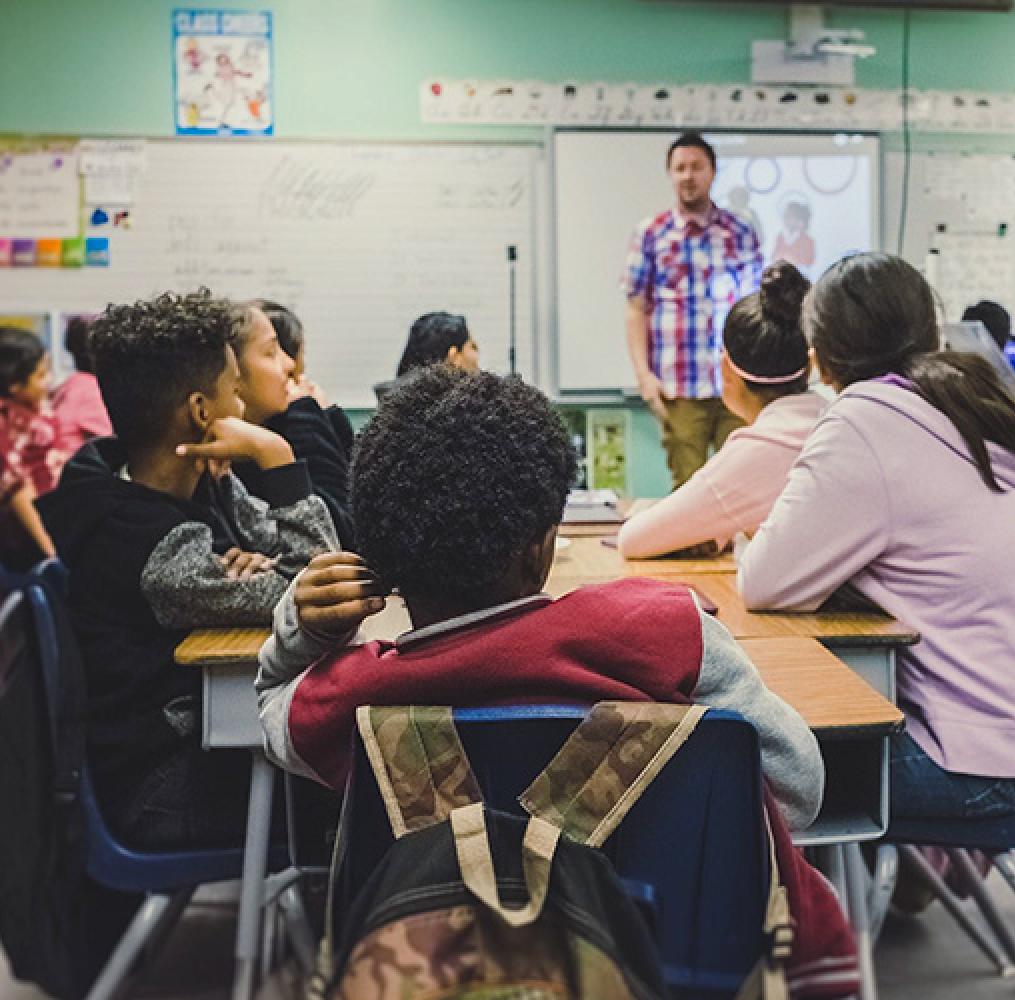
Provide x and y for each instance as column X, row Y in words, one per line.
column 686, row 268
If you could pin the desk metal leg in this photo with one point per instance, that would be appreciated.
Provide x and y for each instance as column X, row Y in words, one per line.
column 856, row 891
column 255, row 862
column 828, row 858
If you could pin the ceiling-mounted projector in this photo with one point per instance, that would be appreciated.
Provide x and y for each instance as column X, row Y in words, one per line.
column 813, row 53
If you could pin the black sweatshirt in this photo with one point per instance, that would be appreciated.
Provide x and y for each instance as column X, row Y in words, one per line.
column 145, row 568
column 323, row 439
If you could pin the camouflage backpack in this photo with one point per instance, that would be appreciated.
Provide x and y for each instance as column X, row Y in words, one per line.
column 473, row 904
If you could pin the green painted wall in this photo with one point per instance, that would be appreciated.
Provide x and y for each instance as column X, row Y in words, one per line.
column 351, row 68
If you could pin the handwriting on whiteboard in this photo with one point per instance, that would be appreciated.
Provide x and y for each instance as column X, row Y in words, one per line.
column 302, row 190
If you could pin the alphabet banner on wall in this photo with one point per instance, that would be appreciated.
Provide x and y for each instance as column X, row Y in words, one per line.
column 222, row 72
column 536, row 102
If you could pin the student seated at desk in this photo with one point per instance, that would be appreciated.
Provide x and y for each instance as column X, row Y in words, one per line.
column 144, row 568
column 32, row 447
column 764, row 382
column 433, row 338
column 289, row 328
column 906, row 490
column 78, row 401
column 997, row 322
column 465, row 477
column 273, row 399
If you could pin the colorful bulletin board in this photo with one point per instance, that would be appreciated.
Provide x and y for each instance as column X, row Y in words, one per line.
column 222, row 72
column 40, row 204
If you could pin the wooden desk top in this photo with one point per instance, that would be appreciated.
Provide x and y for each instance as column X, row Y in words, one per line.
column 847, row 628
column 833, row 700
column 583, row 562
column 208, row 647
column 588, row 559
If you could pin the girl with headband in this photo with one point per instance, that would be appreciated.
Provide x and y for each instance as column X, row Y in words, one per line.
column 764, row 371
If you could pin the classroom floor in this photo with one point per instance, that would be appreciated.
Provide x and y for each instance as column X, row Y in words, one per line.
column 925, row 958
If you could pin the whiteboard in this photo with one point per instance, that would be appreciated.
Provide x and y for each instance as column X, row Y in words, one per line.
column 358, row 239
column 606, row 181
column 960, row 224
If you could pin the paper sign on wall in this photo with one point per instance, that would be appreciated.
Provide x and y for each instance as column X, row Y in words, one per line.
column 222, row 72
column 38, row 194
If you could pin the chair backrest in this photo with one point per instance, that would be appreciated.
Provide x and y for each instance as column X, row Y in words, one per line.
column 692, row 849
column 41, row 853
column 109, row 862
column 54, row 574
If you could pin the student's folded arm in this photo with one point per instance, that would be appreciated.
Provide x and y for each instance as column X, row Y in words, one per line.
column 688, row 516
column 285, row 657
column 291, row 523
column 790, row 758
column 832, row 520
column 186, row 584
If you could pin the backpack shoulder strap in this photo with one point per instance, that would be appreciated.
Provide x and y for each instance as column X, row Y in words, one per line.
column 605, row 765
column 767, row 980
column 419, row 764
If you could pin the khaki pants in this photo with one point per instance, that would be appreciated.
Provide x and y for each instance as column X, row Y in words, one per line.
column 690, row 427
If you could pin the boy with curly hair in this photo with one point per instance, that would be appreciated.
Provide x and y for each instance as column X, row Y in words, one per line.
column 151, row 557
column 458, row 485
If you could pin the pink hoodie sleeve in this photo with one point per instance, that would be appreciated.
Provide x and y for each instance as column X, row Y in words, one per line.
column 832, row 520
column 733, row 491
column 688, row 516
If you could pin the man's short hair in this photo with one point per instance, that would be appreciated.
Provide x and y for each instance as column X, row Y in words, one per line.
column 150, row 356
column 994, row 317
column 697, row 141
column 453, row 477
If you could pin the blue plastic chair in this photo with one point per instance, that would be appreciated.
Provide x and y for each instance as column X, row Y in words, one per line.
column 692, row 851
column 168, row 879
column 995, row 837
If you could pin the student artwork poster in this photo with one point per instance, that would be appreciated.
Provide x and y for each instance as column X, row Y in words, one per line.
column 222, row 72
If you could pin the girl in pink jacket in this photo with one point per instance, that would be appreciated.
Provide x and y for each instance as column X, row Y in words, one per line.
column 764, row 382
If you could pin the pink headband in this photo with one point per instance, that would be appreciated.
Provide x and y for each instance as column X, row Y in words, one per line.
column 766, row 379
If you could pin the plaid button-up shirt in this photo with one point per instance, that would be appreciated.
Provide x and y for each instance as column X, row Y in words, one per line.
column 690, row 275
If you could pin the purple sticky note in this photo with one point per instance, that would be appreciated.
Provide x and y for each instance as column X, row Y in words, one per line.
column 23, row 253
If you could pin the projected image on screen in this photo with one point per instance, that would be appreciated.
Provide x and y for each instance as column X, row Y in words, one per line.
column 812, row 198
column 795, row 204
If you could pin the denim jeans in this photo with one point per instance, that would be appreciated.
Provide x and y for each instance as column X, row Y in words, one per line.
column 922, row 790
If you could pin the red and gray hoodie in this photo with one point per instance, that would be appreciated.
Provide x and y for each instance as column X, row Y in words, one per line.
column 636, row 640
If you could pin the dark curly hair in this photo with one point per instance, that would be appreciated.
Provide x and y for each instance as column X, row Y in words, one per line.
column 151, row 355
column 453, row 477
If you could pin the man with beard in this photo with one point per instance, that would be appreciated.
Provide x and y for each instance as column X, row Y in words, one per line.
column 686, row 268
